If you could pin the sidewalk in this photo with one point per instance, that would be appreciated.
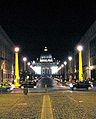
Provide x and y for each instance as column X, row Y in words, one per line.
column 17, row 90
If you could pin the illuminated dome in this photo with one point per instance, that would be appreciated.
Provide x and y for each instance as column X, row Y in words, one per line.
column 46, row 58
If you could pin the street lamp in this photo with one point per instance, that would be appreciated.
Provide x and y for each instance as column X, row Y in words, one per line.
column 28, row 63
column 69, row 58
column 65, row 63
column 62, row 65
column 70, row 68
column 25, row 60
column 16, row 82
column 80, row 48
column 62, row 69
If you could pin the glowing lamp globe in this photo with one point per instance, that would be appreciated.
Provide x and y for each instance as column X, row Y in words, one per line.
column 79, row 48
column 28, row 63
column 69, row 58
column 62, row 65
column 24, row 59
column 16, row 49
column 65, row 63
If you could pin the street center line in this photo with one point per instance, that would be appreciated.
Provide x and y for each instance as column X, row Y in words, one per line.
column 46, row 108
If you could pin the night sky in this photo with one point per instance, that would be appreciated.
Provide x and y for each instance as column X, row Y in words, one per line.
column 58, row 25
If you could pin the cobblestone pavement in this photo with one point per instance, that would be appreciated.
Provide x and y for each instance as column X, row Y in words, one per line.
column 74, row 105
column 58, row 105
column 19, row 106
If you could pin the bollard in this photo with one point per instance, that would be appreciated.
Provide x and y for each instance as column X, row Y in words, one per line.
column 25, row 91
column 46, row 88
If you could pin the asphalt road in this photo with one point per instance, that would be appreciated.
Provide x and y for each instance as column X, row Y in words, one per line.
column 45, row 82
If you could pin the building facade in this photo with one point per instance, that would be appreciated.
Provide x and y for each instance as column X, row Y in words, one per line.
column 6, row 57
column 88, row 41
column 46, row 66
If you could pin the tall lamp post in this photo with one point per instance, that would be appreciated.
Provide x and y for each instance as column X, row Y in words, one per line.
column 16, row 82
column 70, row 68
column 65, row 63
column 28, row 63
column 28, row 66
column 80, row 48
column 25, row 60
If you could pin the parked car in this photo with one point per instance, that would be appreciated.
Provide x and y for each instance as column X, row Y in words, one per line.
column 28, row 84
column 94, row 83
column 83, row 84
column 5, row 88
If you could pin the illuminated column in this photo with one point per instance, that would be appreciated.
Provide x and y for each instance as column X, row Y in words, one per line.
column 24, row 59
column 80, row 48
column 65, row 63
column 16, row 82
column 70, row 68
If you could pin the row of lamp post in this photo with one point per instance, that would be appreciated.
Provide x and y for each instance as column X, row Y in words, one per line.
column 79, row 48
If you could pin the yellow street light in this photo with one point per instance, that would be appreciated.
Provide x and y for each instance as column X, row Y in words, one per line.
column 16, row 82
column 16, row 49
column 80, row 48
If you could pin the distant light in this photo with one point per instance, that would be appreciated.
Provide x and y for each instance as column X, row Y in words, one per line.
column 16, row 49
column 54, row 69
column 33, row 62
column 30, row 66
column 79, row 48
column 37, row 59
column 45, row 49
column 59, row 68
column 62, row 65
column 37, row 69
column 65, row 63
column 57, row 63
column 28, row 63
column 24, row 59
column 92, row 67
column 27, row 77
column 69, row 58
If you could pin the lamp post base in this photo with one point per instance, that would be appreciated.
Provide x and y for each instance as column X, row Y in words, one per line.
column 17, row 85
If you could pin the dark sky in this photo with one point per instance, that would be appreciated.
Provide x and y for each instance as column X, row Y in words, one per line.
column 33, row 24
